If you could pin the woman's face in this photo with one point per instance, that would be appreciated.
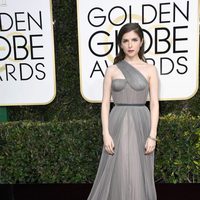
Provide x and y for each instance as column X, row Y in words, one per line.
column 131, row 44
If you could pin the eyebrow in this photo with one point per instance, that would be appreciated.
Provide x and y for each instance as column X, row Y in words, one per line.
column 131, row 38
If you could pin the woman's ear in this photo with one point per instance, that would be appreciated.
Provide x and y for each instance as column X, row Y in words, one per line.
column 120, row 47
column 142, row 42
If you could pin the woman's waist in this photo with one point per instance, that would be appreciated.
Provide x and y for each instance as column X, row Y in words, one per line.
column 130, row 104
column 133, row 102
column 140, row 108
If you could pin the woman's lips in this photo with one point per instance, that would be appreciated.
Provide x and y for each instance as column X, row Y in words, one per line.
column 130, row 51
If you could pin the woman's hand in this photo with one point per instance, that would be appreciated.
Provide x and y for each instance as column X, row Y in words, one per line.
column 109, row 144
column 150, row 146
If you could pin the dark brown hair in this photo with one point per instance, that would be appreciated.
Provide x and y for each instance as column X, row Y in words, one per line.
column 125, row 29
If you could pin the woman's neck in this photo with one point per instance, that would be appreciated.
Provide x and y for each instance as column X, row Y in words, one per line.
column 134, row 59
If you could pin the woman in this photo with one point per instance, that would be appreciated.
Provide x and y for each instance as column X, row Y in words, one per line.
column 126, row 169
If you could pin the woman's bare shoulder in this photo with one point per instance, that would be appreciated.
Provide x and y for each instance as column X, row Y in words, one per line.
column 151, row 68
column 111, row 69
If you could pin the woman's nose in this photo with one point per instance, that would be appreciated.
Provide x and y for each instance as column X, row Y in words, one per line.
column 130, row 44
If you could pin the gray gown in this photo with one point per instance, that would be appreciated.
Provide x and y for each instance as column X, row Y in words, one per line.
column 129, row 173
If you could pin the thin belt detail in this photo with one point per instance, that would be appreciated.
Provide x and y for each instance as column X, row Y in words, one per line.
column 132, row 104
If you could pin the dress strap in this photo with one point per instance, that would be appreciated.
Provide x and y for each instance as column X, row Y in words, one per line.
column 134, row 78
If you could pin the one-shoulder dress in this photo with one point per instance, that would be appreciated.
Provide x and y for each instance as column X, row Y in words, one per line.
column 129, row 173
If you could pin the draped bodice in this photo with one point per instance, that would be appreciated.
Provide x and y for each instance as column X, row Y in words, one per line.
column 131, row 90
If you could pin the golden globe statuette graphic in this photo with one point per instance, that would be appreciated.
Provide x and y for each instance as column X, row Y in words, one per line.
column 3, row 3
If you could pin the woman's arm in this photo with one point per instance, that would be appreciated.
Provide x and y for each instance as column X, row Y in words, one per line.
column 105, row 109
column 154, row 109
column 154, row 104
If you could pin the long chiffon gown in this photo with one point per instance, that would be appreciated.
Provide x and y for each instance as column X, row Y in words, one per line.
column 129, row 173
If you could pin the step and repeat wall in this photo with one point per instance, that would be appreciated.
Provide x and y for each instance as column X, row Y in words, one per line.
column 171, row 31
column 27, row 64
